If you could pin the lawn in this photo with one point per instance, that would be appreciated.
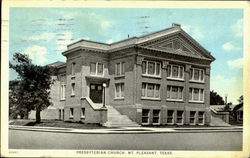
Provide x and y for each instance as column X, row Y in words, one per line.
column 55, row 123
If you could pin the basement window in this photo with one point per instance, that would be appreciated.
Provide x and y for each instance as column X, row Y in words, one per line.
column 71, row 113
column 145, row 116
column 201, row 117
column 156, row 116
column 170, row 117
column 82, row 113
column 180, row 117
column 192, row 117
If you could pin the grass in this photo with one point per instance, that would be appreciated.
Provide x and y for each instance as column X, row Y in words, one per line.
column 56, row 123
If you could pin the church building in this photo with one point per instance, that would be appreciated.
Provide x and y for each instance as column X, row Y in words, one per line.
column 162, row 78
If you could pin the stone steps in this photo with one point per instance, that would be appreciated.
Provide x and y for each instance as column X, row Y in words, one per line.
column 115, row 119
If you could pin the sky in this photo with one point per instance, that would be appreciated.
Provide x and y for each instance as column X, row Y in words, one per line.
column 44, row 33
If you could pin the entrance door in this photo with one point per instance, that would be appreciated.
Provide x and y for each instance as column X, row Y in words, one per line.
column 96, row 93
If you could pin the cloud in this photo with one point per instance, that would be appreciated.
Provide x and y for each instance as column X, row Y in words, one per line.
column 109, row 41
column 232, row 87
column 86, row 38
column 37, row 54
column 237, row 63
column 228, row 46
column 106, row 24
column 62, row 42
column 42, row 37
column 195, row 32
column 238, row 28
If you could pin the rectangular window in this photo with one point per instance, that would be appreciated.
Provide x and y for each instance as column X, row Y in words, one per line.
column 92, row 68
column 82, row 112
column 196, row 75
column 145, row 116
column 201, row 117
column 123, row 68
column 71, row 112
column 73, row 69
column 120, row 69
column 196, row 94
column 72, row 89
column 192, row 117
column 174, row 93
column 151, row 68
column 100, row 69
column 179, row 117
column 156, row 116
column 175, row 72
column 150, row 90
column 96, row 69
column 62, row 91
column 119, row 90
column 170, row 117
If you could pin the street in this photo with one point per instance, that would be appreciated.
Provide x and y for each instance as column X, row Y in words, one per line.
column 228, row 141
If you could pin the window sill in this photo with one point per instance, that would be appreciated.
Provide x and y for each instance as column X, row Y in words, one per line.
column 174, row 100
column 71, row 117
column 170, row 123
column 72, row 95
column 151, row 76
column 179, row 123
column 155, row 123
column 145, row 123
column 82, row 117
column 95, row 75
column 73, row 76
column 119, row 98
column 147, row 98
column 119, row 76
column 175, row 79
column 62, row 99
column 195, row 81
column 193, row 101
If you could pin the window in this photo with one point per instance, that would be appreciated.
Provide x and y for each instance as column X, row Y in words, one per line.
column 196, row 75
column 72, row 89
column 73, row 69
column 175, row 72
column 119, row 90
column 170, row 117
column 145, row 116
column 150, row 90
column 120, row 69
column 62, row 91
column 174, row 93
column 151, row 68
column 192, row 117
column 71, row 112
column 179, row 117
column 201, row 117
column 82, row 112
column 156, row 116
column 96, row 69
column 196, row 94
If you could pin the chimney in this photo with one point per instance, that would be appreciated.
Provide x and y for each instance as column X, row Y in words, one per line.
column 176, row 25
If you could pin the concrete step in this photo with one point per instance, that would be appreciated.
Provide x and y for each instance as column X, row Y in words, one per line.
column 116, row 119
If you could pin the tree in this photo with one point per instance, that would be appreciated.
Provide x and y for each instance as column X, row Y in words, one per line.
column 240, row 100
column 31, row 89
column 216, row 99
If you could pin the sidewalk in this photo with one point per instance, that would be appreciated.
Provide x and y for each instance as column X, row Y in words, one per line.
column 129, row 130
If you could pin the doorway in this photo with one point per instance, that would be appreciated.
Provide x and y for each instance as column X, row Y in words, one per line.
column 96, row 93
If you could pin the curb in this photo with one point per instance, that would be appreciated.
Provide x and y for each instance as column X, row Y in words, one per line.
column 121, row 131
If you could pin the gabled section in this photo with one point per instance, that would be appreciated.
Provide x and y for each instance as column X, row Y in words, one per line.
column 177, row 43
